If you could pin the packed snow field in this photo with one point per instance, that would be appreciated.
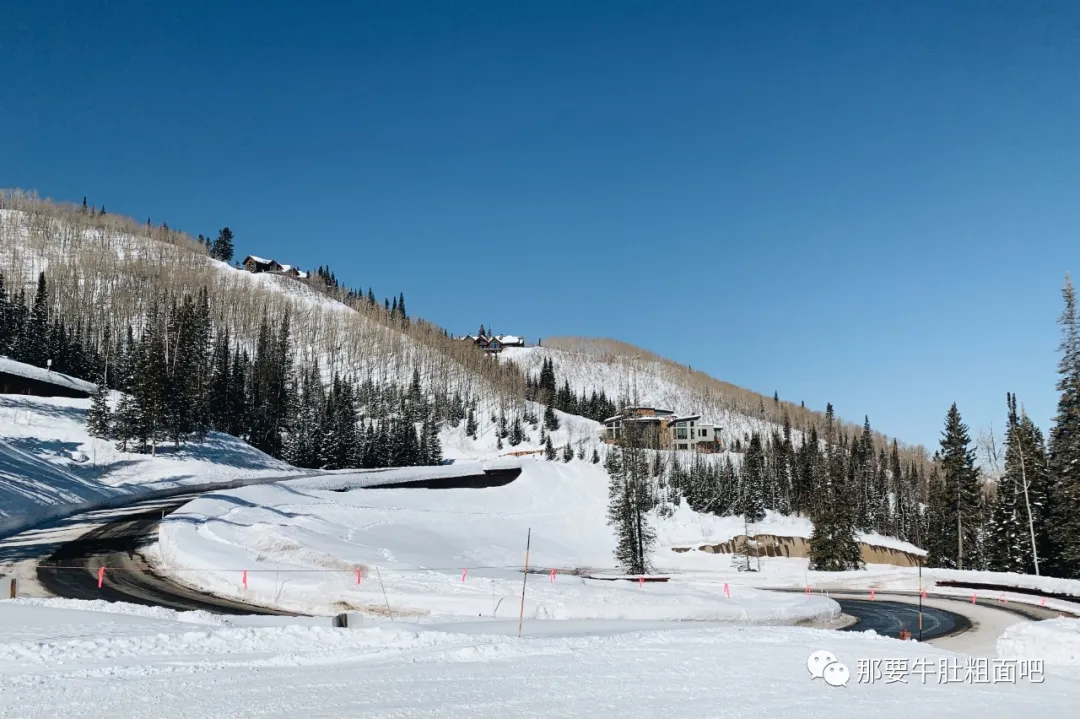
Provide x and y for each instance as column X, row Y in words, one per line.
column 51, row 467
column 439, row 554
column 61, row 657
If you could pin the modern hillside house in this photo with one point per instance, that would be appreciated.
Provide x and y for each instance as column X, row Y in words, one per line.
column 664, row 429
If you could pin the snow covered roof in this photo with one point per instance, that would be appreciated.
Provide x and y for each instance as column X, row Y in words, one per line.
column 297, row 270
column 21, row 369
column 510, row 339
column 685, row 418
column 260, row 260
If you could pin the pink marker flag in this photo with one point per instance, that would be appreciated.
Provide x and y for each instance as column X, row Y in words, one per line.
column 463, row 573
column 552, row 576
column 872, row 593
column 100, row 577
column 807, row 591
column 1003, row 598
column 244, row 579
column 1043, row 602
column 641, row 581
column 727, row 591
column 358, row 577
column 973, row 597
column 924, row 594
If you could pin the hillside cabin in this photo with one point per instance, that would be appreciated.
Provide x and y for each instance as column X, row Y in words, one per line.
column 22, row 378
column 494, row 344
column 258, row 265
column 663, row 429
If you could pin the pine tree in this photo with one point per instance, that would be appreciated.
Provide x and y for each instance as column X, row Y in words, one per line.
column 961, row 493
column 223, row 246
column 833, row 546
column 568, row 452
column 99, row 417
column 470, row 424
column 1064, row 450
column 630, row 498
column 549, row 449
column 551, row 422
column 751, row 482
column 595, row 456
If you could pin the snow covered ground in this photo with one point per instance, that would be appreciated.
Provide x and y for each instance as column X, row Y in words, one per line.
column 61, row 658
column 51, row 467
column 439, row 554
column 1057, row 641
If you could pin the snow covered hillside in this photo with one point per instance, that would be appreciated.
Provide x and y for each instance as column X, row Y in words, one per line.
column 437, row 553
column 125, row 661
column 50, row 466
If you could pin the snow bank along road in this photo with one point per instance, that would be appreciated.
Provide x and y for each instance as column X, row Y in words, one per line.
column 70, row 569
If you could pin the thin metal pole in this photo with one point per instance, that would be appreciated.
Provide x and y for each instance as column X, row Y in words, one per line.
column 385, row 599
column 524, row 581
column 920, row 600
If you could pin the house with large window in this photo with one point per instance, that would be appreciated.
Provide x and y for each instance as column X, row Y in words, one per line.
column 494, row 343
column 663, row 429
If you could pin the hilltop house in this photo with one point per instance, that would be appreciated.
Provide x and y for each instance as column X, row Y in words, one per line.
column 494, row 343
column 664, row 429
column 258, row 264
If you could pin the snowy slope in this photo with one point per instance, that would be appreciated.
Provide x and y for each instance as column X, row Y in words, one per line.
column 301, row 544
column 68, row 658
column 654, row 383
column 50, row 466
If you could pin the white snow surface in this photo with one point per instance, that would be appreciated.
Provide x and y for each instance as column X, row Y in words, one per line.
column 65, row 658
column 22, row 369
column 1056, row 641
column 50, row 467
column 439, row 554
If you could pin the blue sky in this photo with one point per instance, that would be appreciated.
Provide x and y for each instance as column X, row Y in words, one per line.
column 872, row 204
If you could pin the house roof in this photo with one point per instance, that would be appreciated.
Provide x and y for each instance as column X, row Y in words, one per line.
column 259, row 260
column 510, row 339
column 633, row 418
column 21, row 369
column 299, row 272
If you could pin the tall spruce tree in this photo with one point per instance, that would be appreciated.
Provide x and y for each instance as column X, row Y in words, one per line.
column 99, row 417
column 960, row 494
column 833, row 546
column 223, row 245
column 1064, row 450
column 752, row 481
column 630, row 499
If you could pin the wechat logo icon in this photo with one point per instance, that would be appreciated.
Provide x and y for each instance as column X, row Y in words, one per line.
column 825, row 665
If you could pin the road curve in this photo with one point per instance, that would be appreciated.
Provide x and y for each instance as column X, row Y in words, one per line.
column 72, row 570
column 888, row 618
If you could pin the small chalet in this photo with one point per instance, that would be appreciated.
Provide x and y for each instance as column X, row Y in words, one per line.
column 664, row 428
column 259, row 264
column 22, row 378
column 494, row 343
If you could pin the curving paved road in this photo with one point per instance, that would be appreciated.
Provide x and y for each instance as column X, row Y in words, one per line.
column 887, row 617
column 71, row 571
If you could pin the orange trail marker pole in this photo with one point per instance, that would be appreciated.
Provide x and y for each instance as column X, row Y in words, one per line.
column 100, row 577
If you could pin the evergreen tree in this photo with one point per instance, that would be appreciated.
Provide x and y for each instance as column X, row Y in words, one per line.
column 1064, row 450
column 833, row 546
column 630, row 498
column 549, row 449
column 223, row 246
column 551, row 422
column 751, row 482
column 595, row 456
column 568, row 452
column 470, row 424
column 99, row 417
column 960, row 494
